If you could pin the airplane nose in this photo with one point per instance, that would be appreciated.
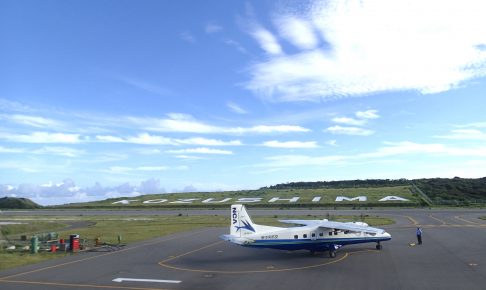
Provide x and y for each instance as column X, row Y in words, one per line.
column 387, row 235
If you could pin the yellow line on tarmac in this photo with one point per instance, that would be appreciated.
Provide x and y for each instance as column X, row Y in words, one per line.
column 439, row 220
column 193, row 251
column 254, row 271
column 412, row 220
column 464, row 220
column 94, row 257
column 76, row 285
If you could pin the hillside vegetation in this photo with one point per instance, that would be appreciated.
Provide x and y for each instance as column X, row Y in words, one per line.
column 17, row 203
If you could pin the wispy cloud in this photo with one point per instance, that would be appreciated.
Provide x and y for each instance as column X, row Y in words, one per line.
column 14, row 106
column 389, row 150
column 148, row 139
column 236, row 45
column 371, row 46
column 125, row 170
column 268, row 42
column 143, row 138
column 236, row 108
column 186, row 123
column 188, row 37
column 33, row 121
column 297, row 31
column 367, row 115
column 42, row 137
column 145, row 85
column 349, row 121
column 290, row 144
column 354, row 124
column 357, row 131
column 211, row 28
column 200, row 150
column 465, row 134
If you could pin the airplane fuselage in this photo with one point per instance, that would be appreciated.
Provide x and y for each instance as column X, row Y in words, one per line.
column 308, row 238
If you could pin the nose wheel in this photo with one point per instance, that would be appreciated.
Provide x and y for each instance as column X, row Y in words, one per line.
column 379, row 246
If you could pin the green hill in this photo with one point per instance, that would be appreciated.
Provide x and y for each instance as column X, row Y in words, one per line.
column 347, row 193
column 17, row 203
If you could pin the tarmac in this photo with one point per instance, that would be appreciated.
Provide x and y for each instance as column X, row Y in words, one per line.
column 452, row 256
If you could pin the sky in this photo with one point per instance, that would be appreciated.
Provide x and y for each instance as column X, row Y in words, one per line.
column 102, row 99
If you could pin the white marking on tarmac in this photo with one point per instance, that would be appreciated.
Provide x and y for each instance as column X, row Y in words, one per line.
column 119, row 280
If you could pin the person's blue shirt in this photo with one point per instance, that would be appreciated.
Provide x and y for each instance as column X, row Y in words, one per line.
column 419, row 232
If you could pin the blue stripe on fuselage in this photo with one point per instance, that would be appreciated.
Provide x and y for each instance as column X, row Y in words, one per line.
column 308, row 244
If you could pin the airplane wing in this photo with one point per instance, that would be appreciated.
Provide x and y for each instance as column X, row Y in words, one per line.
column 335, row 225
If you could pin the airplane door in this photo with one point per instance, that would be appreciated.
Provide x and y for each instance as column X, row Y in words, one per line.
column 313, row 236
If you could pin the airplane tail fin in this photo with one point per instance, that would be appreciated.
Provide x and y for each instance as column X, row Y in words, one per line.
column 241, row 223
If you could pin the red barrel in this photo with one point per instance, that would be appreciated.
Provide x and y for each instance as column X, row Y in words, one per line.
column 61, row 241
column 53, row 248
column 74, row 243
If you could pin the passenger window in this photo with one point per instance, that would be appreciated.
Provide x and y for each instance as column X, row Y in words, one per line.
column 305, row 236
column 313, row 235
column 321, row 234
column 330, row 233
column 335, row 233
column 296, row 237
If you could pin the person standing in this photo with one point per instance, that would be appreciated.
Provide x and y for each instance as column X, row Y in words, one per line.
column 419, row 235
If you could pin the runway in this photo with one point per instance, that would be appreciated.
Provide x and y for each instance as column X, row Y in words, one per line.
column 452, row 257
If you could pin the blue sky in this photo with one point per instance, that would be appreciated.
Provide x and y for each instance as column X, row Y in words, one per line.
column 116, row 98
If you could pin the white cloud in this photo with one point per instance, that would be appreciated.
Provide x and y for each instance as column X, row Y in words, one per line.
column 184, row 123
column 34, row 121
column 407, row 147
column 125, row 170
column 42, row 137
column 144, row 85
column 236, row 44
column 267, row 40
column 387, row 151
column 465, row 134
column 340, row 130
column 189, row 157
column 331, row 142
column 376, row 46
column 297, row 31
column 369, row 114
column 143, row 138
column 349, row 121
column 68, row 192
column 208, row 142
column 188, row 37
column 212, row 28
column 200, row 150
column 11, row 150
column 235, row 108
column 147, row 139
column 62, row 151
column 290, row 144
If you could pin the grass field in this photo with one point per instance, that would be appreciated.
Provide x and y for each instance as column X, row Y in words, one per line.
column 136, row 228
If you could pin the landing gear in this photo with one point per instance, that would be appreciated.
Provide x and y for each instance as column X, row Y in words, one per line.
column 379, row 246
column 332, row 253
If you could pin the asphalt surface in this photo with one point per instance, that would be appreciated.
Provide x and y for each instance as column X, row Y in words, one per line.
column 451, row 257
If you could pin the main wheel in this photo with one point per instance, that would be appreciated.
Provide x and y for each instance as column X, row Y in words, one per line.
column 332, row 254
column 379, row 246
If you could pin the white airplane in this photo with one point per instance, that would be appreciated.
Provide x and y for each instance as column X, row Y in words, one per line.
column 312, row 235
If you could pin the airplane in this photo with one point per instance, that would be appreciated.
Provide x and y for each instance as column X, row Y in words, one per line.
column 312, row 235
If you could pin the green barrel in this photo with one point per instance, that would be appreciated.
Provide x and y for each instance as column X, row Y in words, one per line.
column 34, row 244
